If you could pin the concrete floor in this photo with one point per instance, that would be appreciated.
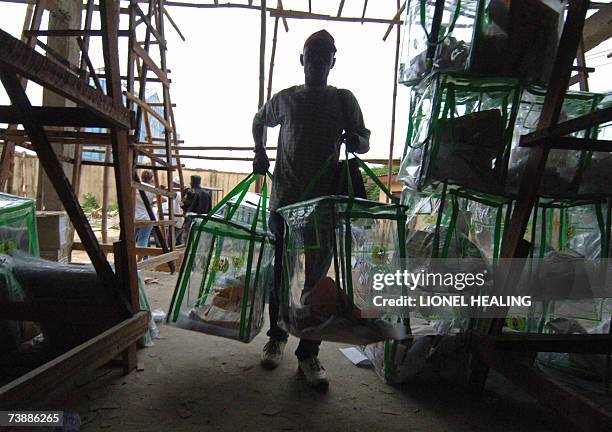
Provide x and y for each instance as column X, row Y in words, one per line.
column 195, row 382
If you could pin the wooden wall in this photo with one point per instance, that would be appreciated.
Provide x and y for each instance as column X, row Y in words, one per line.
column 26, row 176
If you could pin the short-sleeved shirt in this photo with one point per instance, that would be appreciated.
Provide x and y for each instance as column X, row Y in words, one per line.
column 312, row 119
column 140, row 211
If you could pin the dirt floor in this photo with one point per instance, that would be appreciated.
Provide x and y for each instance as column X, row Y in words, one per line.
column 194, row 382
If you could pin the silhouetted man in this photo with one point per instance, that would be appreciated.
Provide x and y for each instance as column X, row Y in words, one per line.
column 314, row 118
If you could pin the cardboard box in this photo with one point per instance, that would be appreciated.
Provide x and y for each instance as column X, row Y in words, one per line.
column 53, row 228
column 59, row 254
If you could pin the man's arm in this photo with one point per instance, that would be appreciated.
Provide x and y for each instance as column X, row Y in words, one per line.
column 356, row 136
column 265, row 117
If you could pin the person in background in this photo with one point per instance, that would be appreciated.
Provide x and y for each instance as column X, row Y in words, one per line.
column 314, row 119
column 195, row 200
column 140, row 212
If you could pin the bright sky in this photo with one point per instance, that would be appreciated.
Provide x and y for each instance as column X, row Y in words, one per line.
column 215, row 73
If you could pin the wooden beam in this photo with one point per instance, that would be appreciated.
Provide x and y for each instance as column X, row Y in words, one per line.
column 582, row 412
column 178, row 30
column 19, row 58
column 393, row 104
column 153, row 223
column 153, row 263
column 513, row 244
column 597, row 27
column 586, row 121
column 580, row 144
column 44, row 381
column 122, row 155
column 306, row 15
column 147, row 108
column 148, row 23
column 151, row 64
column 138, row 166
column 61, row 184
column 395, row 20
column 108, row 248
column 56, row 116
column 156, row 191
column 70, row 32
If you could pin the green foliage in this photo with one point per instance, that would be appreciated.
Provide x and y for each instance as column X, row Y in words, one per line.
column 112, row 207
column 90, row 202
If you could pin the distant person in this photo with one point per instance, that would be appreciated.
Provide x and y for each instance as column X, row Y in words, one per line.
column 196, row 199
column 314, row 118
column 143, row 233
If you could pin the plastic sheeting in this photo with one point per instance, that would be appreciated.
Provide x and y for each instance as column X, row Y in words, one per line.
column 227, row 269
column 495, row 37
column 27, row 278
column 333, row 246
column 460, row 131
column 564, row 168
column 18, row 225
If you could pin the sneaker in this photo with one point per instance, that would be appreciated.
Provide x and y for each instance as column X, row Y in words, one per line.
column 272, row 353
column 314, row 372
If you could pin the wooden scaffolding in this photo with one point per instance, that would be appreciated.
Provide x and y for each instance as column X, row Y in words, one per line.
column 511, row 355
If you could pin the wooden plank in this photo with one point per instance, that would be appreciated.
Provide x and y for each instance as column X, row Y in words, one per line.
column 292, row 14
column 512, row 246
column 147, row 108
column 178, row 30
column 157, row 191
column 151, row 64
column 582, row 412
column 42, row 382
column 56, row 116
column 395, row 20
column 598, row 27
column 138, row 166
column 61, row 184
column 148, row 23
column 581, row 144
column 63, row 137
column 153, row 263
column 16, row 56
column 144, row 223
column 108, row 248
column 70, row 32
column 586, row 121
column 122, row 155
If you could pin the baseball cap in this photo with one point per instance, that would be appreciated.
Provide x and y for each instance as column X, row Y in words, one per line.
column 322, row 35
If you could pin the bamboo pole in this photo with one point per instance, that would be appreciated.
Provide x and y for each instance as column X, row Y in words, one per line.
column 392, row 140
column 105, row 192
column 271, row 71
column 262, row 68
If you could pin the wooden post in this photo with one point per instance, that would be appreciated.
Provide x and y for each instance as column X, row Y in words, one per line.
column 271, row 71
column 513, row 245
column 392, row 141
column 109, row 18
column 105, row 192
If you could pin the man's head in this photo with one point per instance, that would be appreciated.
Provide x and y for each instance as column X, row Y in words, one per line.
column 146, row 176
column 318, row 58
column 195, row 181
